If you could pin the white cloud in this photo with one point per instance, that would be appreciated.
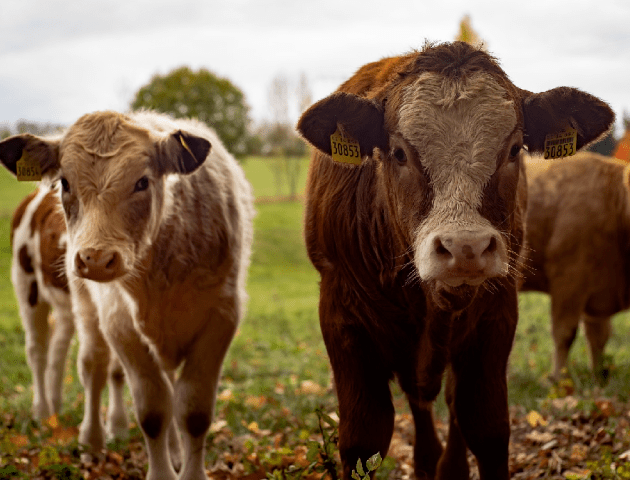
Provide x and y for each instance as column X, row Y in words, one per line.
column 63, row 58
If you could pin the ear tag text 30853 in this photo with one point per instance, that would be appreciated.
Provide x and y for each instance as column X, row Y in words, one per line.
column 344, row 150
column 562, row 144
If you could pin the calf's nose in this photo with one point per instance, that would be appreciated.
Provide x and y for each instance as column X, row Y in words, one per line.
column 98, row 265
column 466, row 252
column 469, row 257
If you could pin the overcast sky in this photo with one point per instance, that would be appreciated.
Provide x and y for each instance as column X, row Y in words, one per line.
column 62, row 58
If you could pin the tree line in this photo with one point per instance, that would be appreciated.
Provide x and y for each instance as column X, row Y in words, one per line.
column 222, row 105
column 219, row 103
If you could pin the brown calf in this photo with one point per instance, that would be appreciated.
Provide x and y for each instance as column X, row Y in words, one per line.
column 159, row 231
column 578, row 239
column 38, row 239
column 418, row 246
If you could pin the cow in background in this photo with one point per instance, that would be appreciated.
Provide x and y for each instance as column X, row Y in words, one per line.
column 416, row 232
column 578, row 239
column 38, row 242
column 159, row 232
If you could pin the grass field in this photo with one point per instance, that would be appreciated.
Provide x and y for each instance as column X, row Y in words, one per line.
column 277, row 372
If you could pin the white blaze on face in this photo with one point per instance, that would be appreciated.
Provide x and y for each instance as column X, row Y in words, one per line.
column 458, row 127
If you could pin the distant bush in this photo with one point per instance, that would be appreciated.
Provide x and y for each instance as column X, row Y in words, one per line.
column 203, row 95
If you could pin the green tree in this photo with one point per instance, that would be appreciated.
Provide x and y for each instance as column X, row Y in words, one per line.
column 203, row 95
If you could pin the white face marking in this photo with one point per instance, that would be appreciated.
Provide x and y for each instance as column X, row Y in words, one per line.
column 458, row 128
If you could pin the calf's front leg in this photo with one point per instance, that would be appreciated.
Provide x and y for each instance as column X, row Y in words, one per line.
column 366, row 412
column 196, row 390
column 92, row 362
column 477, row 395
column 598, row 330
column 36, row 330
column 151, row 390
column 62, row 333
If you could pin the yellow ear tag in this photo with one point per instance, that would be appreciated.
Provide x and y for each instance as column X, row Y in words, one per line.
column 185, row 145
column 344, row 150
column 562, row 144
column 28, row 169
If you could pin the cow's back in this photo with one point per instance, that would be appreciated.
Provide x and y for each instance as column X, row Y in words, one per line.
column 577, row 221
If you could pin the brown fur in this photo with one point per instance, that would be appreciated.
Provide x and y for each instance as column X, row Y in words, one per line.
column 48, row 220
column 159, row 224
column 38, row 232
column 380, row 318
column 49, row 223
column 578, row 238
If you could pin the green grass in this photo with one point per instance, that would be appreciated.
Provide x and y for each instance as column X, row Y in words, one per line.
column 268, row 176
column 278, row 346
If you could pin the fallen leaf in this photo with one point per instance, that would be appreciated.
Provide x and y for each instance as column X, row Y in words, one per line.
column 578, row 452
column 52, row 421
column 19, row 440
column 217, row 426
column 539, row 437
column 534, row 419
column 309, row 387
column 605, row 407
column 226, row 395
column 576, row 474
column 255, row 401
column 565, row 403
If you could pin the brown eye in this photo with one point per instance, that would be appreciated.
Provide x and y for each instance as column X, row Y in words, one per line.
column 399, row 154
column 65, row 186
column 514, row 151
column 141, row 184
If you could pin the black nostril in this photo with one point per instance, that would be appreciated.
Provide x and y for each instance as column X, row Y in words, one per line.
column 79, row 261
column 440, row 249
column 492, row 246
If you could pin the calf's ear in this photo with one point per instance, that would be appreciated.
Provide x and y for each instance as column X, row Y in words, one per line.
column 43, row 151
column 358, row 118
column 182, row 152
column 555, row 110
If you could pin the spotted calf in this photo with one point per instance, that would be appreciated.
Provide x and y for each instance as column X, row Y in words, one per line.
column 38, row 240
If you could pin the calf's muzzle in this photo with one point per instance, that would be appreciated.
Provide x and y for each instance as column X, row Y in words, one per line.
column 464, row 257
column 98, row 265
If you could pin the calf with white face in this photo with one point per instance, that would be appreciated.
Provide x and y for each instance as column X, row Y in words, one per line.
column 159, row 220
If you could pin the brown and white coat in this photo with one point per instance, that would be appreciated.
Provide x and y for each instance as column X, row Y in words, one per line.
column 159, row 232
column 38, row 240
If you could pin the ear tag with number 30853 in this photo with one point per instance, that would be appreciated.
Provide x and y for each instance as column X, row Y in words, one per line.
column 28, row 169
column 562, row 144
column 344, row 150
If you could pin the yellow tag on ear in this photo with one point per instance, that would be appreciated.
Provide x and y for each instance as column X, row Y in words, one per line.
column 28, row 169
column 344, row 150
column 563, row 144
column 185, row 145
